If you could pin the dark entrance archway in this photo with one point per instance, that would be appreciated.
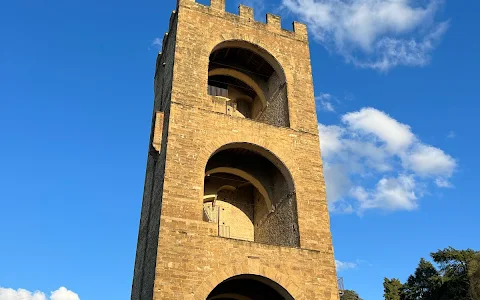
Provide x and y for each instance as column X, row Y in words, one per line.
column 249, row 287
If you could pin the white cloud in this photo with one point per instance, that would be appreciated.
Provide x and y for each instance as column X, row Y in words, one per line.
column 443, row 183
column 373, row 161
column 396, row 135
column 157, row 43
column 389, row 194
column 330, row 139
column 64, row 294
column 426, row 160
column 22, row 294
column 338, row 183
column 327, row 106
column 342, row 266
column 451, row 135
column 377, row 34
column 325, row 102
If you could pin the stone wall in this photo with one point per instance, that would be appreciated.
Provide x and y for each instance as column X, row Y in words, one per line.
column 164, row 69
column 195, row 44
column 276, row 112
column 143, row 231
column 236, row 214
column 186, row 255
column 280, row 227
column 233, row 205
column 199, row 261
column 147, row 245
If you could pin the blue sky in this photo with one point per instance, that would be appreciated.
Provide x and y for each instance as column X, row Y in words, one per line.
column 395, row 84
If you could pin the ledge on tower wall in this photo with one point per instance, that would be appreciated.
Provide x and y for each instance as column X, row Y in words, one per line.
column 246, row 16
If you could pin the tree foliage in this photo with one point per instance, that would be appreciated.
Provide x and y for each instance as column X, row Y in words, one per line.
column 457, row 277
column 454, row 266
column 423, row 283
column 474, row 274
column 392, row 289
column 350, row 295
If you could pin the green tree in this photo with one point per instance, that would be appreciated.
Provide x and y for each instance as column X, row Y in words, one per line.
column 392, row 289
column 474, row 275
column 457, row 278
column 350, row 295
column 423, row 284
column 454, row 268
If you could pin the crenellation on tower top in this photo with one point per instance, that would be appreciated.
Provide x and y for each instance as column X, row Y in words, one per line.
column 184, row 2
column 246, row 15
column 246, row 12
column 217, row 4
column 300, row 29
column 274, row 21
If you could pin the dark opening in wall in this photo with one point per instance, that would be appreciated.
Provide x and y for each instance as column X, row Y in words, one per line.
column 259, row 287
column 250, row 197
column 254, row 80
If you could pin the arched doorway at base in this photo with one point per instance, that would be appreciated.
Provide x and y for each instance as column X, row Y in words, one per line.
column 249, row 287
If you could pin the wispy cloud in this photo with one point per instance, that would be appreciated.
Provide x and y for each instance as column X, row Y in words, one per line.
column 157, row 43
column 377, row 34
column 22, row 294
column 451, row 135
column 373, row 161
column 324, row 102
column 343, row 266
column 258, row 6
column 443, row 183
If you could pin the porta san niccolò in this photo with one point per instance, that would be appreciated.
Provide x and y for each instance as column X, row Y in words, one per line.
column 234, row 204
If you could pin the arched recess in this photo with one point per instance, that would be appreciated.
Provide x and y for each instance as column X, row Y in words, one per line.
column 250, row 45
column 260, row 204
column 242, row 77
column 248, row 177
column 280, row 277
column 251, row 81
column 259, row 288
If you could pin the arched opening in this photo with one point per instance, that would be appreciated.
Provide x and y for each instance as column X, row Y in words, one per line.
column 247, row 82
column 249, row 287
column 250, row 195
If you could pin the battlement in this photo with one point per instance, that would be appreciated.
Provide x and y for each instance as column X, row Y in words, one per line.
column 171, row 26
column 273, row 23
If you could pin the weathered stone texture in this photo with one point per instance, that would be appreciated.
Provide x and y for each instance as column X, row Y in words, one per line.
column 164, row 69
column 280, row 227
column 195, row 43
column 276, row 112
column 179, row 254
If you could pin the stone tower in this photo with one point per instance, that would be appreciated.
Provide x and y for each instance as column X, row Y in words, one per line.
column 234, row 204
